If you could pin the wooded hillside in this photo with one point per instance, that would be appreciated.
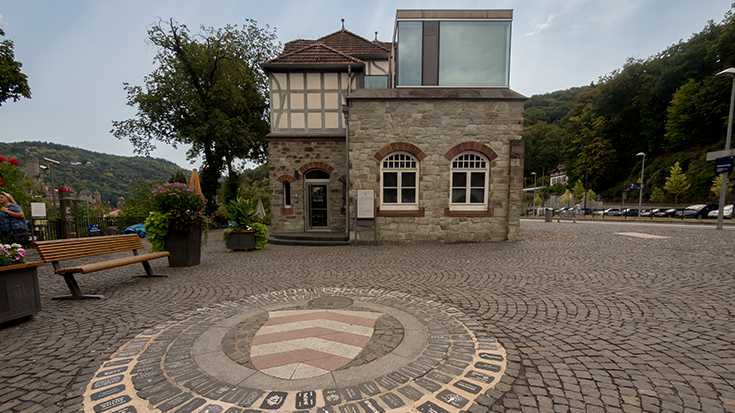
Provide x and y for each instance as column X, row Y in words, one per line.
column 670, row 106
column 111, row 175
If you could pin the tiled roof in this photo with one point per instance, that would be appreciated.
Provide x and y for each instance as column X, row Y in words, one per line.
column 315, row 53
column 347, row 42
column 344, row 41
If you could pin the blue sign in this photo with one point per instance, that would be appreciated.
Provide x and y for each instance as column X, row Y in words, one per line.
column 724, row 164
column 635, row 186
column 94, row 227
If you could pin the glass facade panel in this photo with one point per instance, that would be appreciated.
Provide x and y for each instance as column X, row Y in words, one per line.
column 482, row 61
column 410, row 36
column 376, row 82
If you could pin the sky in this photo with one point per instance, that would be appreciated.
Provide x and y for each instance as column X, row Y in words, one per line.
column 78, row 53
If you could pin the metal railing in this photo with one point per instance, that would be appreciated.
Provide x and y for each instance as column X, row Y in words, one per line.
column 49, row 229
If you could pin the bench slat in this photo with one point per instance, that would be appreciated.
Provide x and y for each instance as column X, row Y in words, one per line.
column 104, row 265
column 60, row 250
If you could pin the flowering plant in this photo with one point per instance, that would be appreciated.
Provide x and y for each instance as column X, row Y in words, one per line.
column 11, row 161
column 176, row 206
column 12, row 254
column 177, row 196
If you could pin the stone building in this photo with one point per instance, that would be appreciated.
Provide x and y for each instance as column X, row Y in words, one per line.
column 426, row 122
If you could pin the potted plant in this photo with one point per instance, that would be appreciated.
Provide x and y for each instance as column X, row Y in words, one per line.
column 177, row 224
column 244, row 233
column 21, row 294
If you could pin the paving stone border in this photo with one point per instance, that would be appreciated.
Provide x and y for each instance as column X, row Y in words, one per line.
column 444, row 361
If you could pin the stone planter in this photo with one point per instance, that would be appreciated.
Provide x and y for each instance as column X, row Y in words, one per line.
column 19, row 293
column 185, row 247
column 241, row 240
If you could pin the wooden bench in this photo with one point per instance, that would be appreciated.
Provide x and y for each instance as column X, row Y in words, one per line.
column 75, row 248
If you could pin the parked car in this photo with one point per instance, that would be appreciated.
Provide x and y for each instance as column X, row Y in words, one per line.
column 608, row 212
column 665, row 212
column 135, row 229
column 650, row 212
column 585, row 211
column 726, row 212
column 630, row 212
column 696, row 211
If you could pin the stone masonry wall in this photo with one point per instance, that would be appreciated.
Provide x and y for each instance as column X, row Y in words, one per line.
column 289, row 155
column 435, row 126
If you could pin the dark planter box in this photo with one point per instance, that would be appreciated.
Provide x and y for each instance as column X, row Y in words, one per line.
column 185, row 247
column 241, row 240
column 19, row 293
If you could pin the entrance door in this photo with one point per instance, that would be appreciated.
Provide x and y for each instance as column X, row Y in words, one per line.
column 318, row 218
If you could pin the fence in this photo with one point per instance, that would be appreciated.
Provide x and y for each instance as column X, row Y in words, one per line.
column 48, row 229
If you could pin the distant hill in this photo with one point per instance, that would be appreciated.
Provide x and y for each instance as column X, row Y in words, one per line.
column 111, row 175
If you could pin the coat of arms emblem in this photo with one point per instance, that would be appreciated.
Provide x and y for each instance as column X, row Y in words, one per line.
column 299, row 344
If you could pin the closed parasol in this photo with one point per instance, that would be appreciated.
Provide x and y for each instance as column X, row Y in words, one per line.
column 194, row 181
column 259, row 210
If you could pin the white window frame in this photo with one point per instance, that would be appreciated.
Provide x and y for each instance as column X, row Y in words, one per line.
column 413, row 166
column 470, row 162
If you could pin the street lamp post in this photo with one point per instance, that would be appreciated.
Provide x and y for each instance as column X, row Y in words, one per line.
column 640, row 193
column 586, row 188
column 723, row 188
column 534, row 193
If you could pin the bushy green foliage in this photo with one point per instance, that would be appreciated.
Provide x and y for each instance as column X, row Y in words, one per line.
column 261, row 234
column 13, row 82
column 242, row 214
column 156, row 228
column 13, row 182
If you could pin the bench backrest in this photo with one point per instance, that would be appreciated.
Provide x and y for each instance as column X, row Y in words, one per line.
column 68, row 249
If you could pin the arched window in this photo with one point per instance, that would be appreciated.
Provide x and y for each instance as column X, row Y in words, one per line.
column 470, row 177
column 399, row 181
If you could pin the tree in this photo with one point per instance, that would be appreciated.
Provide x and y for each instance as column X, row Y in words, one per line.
column 717, row 185
column 13, row 182
column 590, row 195
column 578, row 190
column 178, row 176
column 13, row 83
column 209, row 92
column 657, row 195
column 137, row 199
column 567, row 197
column 676, row 183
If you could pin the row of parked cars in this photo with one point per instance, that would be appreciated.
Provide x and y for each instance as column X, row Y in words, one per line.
column 692, row 211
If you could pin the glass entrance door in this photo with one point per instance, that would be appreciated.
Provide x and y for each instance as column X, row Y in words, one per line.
column 318, row 206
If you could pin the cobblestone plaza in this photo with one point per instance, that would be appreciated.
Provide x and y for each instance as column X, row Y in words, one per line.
column 578, row 317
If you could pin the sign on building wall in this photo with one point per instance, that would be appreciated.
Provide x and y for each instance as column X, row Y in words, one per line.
column 365, row 204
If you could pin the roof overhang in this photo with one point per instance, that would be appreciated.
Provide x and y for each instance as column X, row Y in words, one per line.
column 500, row 93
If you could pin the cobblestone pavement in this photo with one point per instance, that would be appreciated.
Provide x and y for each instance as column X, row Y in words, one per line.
column 591, row 319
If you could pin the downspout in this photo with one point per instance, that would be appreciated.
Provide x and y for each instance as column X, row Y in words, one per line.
column 346, row 112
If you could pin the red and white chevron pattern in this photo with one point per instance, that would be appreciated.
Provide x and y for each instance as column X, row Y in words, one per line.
column 298, row 344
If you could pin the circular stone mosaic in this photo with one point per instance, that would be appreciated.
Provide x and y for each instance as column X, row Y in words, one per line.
column 312, row 350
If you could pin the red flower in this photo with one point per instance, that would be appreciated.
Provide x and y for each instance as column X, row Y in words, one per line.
column 2, row 159
column 13, row 161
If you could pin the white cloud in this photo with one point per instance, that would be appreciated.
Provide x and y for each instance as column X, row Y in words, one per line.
column 541, row 27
